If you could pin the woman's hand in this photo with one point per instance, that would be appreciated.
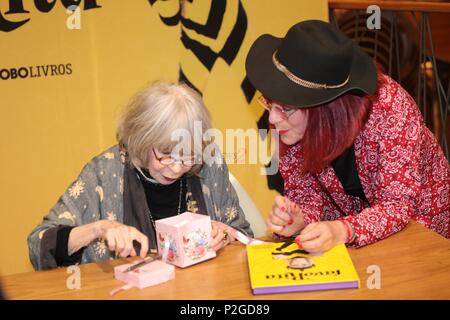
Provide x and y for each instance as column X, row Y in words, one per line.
column 221, row 235
column 119, row 238
column 285, row 218
column 318, row 237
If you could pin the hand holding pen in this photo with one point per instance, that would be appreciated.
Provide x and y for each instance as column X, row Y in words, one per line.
column 285, row 217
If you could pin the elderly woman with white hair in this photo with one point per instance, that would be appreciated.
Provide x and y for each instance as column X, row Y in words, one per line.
column 110, row 209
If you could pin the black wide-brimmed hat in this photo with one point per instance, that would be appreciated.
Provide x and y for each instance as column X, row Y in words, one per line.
column 313, row 64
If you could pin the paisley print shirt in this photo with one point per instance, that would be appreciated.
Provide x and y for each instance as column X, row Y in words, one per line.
column 403, row 172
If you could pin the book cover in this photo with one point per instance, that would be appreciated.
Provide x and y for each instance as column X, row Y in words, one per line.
column 284, row 267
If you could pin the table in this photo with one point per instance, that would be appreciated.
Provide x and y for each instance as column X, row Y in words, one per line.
column 414, row 264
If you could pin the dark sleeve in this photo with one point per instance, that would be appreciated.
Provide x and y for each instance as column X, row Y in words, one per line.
column 53, row 252
column 61, row 252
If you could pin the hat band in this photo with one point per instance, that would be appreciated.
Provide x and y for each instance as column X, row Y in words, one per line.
column 304, row 83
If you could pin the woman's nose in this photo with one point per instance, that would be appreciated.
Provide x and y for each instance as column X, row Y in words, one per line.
column 275, row 117
column 176, row 167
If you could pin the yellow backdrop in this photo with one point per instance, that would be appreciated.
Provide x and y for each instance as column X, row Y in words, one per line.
column 61, row 90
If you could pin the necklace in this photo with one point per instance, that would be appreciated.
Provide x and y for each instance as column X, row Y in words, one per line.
column 156, row 182
column 179, row 205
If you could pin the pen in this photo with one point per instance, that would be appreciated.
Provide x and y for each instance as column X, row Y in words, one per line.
column 140, row 264
column 291, row 221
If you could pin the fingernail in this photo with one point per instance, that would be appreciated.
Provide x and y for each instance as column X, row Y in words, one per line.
column 291, row 221
column 298, row 241
column 283, row 209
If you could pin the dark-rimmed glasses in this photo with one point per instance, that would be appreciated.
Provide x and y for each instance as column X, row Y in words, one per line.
column 168, row 160
column 271, row 105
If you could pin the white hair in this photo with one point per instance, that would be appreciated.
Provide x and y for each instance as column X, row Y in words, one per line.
column 154, row 113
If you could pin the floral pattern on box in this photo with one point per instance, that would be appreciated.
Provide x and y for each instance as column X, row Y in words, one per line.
column 172, row 255
column 196, row 244
column 188, row 235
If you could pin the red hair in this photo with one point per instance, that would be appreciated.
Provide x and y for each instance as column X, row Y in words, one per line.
column 333, row 127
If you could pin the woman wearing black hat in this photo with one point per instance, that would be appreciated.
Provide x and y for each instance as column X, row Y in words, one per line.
column 359, row 160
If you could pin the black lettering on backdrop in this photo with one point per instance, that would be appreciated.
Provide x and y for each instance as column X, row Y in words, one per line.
column 4, row 74
column 23, row 72
column 54, row 72
column 44, row 69
column 69, row 68
column 35, row 71
column 45, row 6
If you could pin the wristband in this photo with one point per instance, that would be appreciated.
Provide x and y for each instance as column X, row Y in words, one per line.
column 348, row 231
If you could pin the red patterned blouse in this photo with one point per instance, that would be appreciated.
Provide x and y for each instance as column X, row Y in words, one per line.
column 403, row 172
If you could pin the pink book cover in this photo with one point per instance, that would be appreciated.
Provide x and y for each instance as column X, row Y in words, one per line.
column 188, row 238
column 151, row 274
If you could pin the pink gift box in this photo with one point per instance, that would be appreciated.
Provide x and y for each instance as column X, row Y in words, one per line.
column 188, row 237
column 150, row 274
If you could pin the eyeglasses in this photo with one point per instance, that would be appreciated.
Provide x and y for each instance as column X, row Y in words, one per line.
column 168, row 160
column 270, row 105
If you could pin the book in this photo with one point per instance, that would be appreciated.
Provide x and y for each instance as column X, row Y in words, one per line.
column 284, row 267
